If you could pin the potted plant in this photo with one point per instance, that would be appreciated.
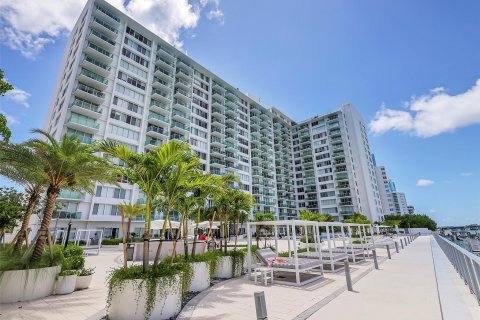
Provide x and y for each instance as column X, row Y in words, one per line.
column 230, row 264
column 155, row 294
column 65, row 282
column 84, row 278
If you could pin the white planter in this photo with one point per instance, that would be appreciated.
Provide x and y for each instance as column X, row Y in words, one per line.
column 129, row 301
column 83, row 282
column 26, row 285
column 200, row 277
column 65, row 284
column 223, row 269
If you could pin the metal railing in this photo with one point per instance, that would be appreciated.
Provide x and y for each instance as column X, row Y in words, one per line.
column 466, row 263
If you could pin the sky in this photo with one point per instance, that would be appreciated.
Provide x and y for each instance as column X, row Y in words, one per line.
column 412, row 69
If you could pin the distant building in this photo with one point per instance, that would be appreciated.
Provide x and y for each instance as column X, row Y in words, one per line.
column 393, row 201
column 411, row 209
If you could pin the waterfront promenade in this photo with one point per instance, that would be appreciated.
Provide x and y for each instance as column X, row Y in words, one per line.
column 406, row 287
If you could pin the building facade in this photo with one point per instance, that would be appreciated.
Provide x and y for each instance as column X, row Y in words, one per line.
column 121, row 82
column 393, row 201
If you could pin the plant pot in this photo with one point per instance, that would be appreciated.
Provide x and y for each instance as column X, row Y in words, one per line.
column 26, row 285
column 83, row 282
column 129, row 301
column 65, row 284
column 223, row 269
column 200, row 277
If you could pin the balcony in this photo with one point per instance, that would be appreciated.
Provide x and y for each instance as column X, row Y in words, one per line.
column 217, row 171
column 100, row 39
column 178, row 137
column 157, row 119
column 218, row 122
column 152, row 143
column 179, row 127
column 165, row 63
column 82, row 123
column 230, row 137
column 86, row 108
column 184, row 64
column 215, row 151
column 342, row 176
column 96, row 66
column 182, row 94
column 218, row 96
column 160, row 107
column 230, row 120
column 182, row 105
column 71, row 195
column 182, row 84
column 161, row 84
column 214, row 141
column 67, row 215
column 217, row 162
column 92, row 79
column 106, row 15
column 230, row 145
column 161, row 96
column 181, row 116
column 217, row 132
column 184, row 74
column 104, row 27
column 156, row 132
column 164, row 74
column 165, row 52
column 88, row 93
column 99, row 53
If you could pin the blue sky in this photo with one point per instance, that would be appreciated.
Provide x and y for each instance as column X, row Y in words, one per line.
column 410, row 67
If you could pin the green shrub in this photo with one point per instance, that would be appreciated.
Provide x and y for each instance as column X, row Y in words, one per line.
column 13, row 261
column 72, row 251
column 74, row 259
column 86, row 272
column 110, row 242
column 67, row 273
column 304, row 240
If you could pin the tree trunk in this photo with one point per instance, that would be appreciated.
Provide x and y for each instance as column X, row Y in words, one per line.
column 128, row 229
column 175, row 241
column 257, row 237
column 124, row 241
column 146, row 235
column 195, row 234
column 26, row 221
column 52, row 194
column 237, row 230
column 210, row 232
column 162, row 238
column 185, row 238
column 227, row 233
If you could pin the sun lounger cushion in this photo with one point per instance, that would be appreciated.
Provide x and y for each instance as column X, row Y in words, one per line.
column 325, row 255
column 268, row 257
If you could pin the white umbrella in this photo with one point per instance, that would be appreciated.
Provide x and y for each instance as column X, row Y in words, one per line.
column 158, row 224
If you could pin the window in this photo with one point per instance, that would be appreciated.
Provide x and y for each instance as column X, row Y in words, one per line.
column 130, row 93
column 132, row 44
column 133, row 69
column 111, row 192
column 200, row 93
column 119, row 102
column 131, row 80
column 328, row 202
column 105, row 209
column 138, row 36
column 199, row 133
column 114, row 114
column 127, row 53
column 200, row 113
column 124, row 132
column 199, row 144
column 199, row 122
column 200, row 103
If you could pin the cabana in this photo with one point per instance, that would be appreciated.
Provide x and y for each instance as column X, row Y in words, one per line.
column 355, row 253
column 305, row 270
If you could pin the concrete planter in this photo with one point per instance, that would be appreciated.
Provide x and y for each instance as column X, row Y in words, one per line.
column 200, row 277
column 223, row 269
column 129, row 301
column 26, row 285
column 83, row 282
column 65, row 284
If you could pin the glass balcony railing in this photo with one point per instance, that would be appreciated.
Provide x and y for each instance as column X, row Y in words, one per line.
column 106, row 25
column 157, row 116
column 100, row 49
column 155, row 129
column 87, row 105
column 67, row 215
column 68, row 194
column 165, row 72
column 180, row 114
column 90, row 90
column 94, row 76
column 84, row 121
column 163, row 82
column 160, row 105
column 161, row 93
column 153, row 142
column 100, row 35
column 183, row 92
column 159, row 58
column 107, row 13
column 176, row 124
column 97, row 63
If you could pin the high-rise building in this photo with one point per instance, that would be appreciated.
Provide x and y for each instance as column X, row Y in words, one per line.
column 393, row 201
column 121, row 82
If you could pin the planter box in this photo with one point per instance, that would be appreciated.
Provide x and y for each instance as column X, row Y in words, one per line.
column 129, row 301
column 223, row 269
column 200, row 277
column 26, row 285
column 83, row 282
column 65, row 284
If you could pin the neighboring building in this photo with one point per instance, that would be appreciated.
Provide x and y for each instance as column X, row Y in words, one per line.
column 121, row 82
column 411, row 209
column 393, row 202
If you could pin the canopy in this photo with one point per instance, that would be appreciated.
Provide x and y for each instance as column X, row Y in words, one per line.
column 158, row 224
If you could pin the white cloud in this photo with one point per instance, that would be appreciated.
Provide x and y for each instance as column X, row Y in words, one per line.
column 424, row 182
column 431, row 114
column 29, row 25
column 19, row 96
column 466, row 174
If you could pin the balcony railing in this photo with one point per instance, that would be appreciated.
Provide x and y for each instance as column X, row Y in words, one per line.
column 106, row 25
column 67, row 215
column 84, row 121
column 87, row 105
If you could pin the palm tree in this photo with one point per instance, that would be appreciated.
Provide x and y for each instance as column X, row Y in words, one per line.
column 67, row 164
column 150, row 172
column 357, row 217
column 21, row 165
column 260, row 217
column 242, row 204
column 128, row 210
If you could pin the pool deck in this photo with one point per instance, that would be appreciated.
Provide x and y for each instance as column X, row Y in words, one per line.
column 417, row 283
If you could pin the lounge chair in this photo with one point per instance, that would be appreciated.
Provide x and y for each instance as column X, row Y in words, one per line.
column 286, row 263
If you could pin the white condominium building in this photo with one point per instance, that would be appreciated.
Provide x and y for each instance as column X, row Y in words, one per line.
column 393, row 202
column 121, row 82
